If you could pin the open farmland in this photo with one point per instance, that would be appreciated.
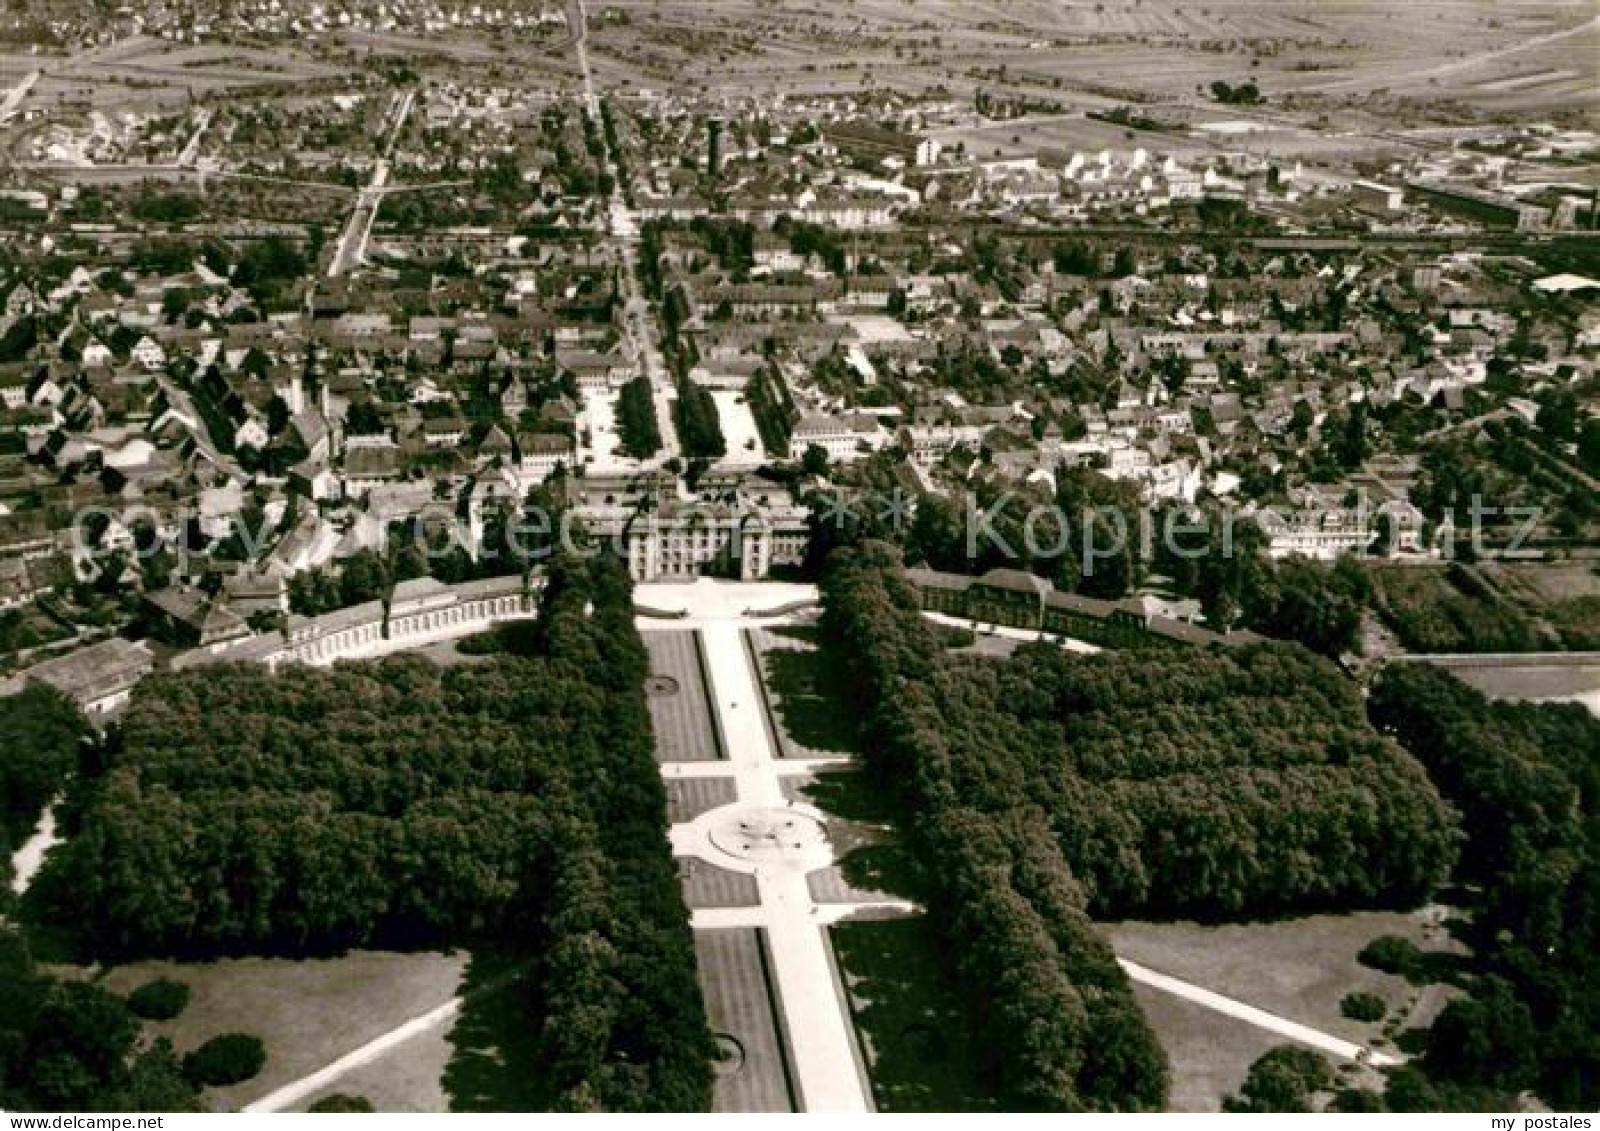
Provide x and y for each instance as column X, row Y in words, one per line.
column 150, row 72
column 1504, row 55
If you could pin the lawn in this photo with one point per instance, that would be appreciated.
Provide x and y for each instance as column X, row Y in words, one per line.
column 911, row 1024
column 802, row 693
column 1565, row 595
column 1297, row 968
column 680, row 710
column 1209, row 1052
column 688, row 798
column 872, row 865
column 1553, row 682
column 310, row 1012
column 740, row 1006
column 707, row 885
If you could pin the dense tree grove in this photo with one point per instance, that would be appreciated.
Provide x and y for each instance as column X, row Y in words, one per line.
column 1082, row 537
column 1235, row 783
column 773, row 408
column 1526, row 778
column 396, row 803
column 74, row 1046
column 160, row 999
column 1060, row 1024
column 227, row 1059
column 1240, row 585
column 699, row 428
column 40, row 735
column 636, row 419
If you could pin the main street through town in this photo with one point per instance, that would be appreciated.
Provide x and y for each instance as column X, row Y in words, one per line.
column 639, row 323
column 352, row 247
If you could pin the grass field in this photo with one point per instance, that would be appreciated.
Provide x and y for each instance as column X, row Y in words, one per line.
column 1577, row 683
column 911, row 1026
column 1452, row 609
column 1299, row 968
column 706, row 885
column 687, row 798
column 1208, row 1052
column 1565, row 594
column 800, row 688
column 739, row 1006
column 310, row 1012
column 680, row 711
column 1490, row 607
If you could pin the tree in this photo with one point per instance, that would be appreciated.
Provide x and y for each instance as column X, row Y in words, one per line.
column 636, row 418
column 815, row 461
column 244, row 813
column 159, row 1000
column 1363, row 1007
column 1589, row 445
column 1557, row 417
column 1283, row 1079
column 1487, row 1039
column 1301, row 418
column 1525, row 779
column 41, row 732
column 1353, row 447
column 71, row 1046
column 699, row 428
column 1319, row 607
column 227, row 1059
column 339, row 1103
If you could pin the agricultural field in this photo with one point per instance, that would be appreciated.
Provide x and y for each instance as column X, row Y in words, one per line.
column 151, row 73
column 1508, row 57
